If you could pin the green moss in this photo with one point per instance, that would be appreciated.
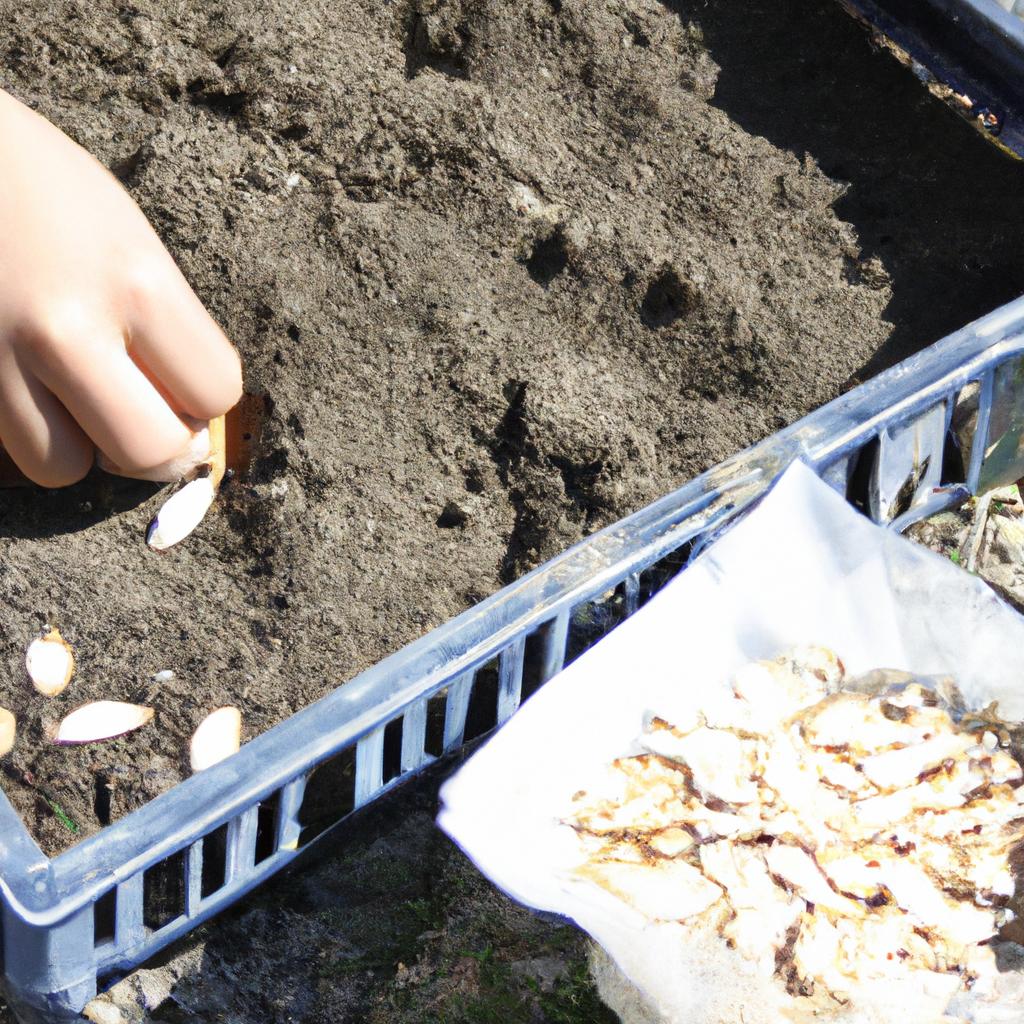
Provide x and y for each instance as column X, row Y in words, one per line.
column 575, row 1000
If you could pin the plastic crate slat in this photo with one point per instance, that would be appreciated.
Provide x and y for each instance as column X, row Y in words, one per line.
column 632, row 592
column 980, row 440
column 288, row 827
column 455, row 710
column 510, row 679
column 369, row 766
column 193, row 878
column 837, row 474
column 1003, row 461
column 241, row 843
column 555, row 641
column 937, row 501
column 129, row 927
column 414, row 736
column 909, row 463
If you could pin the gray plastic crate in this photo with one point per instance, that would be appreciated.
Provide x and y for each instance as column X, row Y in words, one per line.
column 973, row 47
column 918, row 438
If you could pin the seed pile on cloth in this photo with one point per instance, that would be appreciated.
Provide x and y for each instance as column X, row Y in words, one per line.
column 837, row 833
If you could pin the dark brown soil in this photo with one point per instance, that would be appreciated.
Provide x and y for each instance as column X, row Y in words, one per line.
column 506, row 271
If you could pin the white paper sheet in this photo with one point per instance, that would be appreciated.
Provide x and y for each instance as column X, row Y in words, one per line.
column 803, row 567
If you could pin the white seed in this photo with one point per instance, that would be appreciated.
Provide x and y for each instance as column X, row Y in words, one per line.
column 101, row 1011
column 181, row 514
column 163, row 676
column 101, row 720
column 50, row 663
column 218, row 736
column 8, row 729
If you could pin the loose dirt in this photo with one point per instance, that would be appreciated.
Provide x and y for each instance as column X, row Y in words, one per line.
column 506, row 273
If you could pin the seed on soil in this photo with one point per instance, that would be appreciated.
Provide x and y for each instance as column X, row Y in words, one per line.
column 165, row 675
column 101, row 720
column 8, row 730
column 50, row 663
column 185, row 509
column 102, row 1011
column 181, row 514
column 218, row 736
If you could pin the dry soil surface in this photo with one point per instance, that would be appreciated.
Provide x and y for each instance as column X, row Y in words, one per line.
column 505, row 272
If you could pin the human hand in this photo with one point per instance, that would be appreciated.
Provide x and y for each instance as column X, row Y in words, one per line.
column 103, row 344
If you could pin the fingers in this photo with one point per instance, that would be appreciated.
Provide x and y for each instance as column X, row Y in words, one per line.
column 181, row 347
column 111, row 399
column 176, row 468
column 38, row 432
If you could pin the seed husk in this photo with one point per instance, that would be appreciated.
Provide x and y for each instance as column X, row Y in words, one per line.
column 101, row 720
column 50, row 663
column 218, row 736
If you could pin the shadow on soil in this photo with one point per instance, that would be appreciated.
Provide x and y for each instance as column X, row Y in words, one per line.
column 941, row 208
column 32, row 512
column 391, row 926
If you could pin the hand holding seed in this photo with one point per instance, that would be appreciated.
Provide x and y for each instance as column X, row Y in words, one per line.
column 103, row 344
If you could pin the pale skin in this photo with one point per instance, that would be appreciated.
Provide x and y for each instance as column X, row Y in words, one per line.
column 104, row 347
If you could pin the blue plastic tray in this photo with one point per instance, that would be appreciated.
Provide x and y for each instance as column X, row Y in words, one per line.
column 918, row 438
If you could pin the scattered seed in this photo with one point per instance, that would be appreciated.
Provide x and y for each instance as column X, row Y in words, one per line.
column 8, row 730
column 218, row 736
column 50, row 663
column 185, row 509
column 101, row 1011
column 181, row 514
column 101, row 720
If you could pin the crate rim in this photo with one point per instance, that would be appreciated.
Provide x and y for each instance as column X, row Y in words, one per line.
column 44, row 891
